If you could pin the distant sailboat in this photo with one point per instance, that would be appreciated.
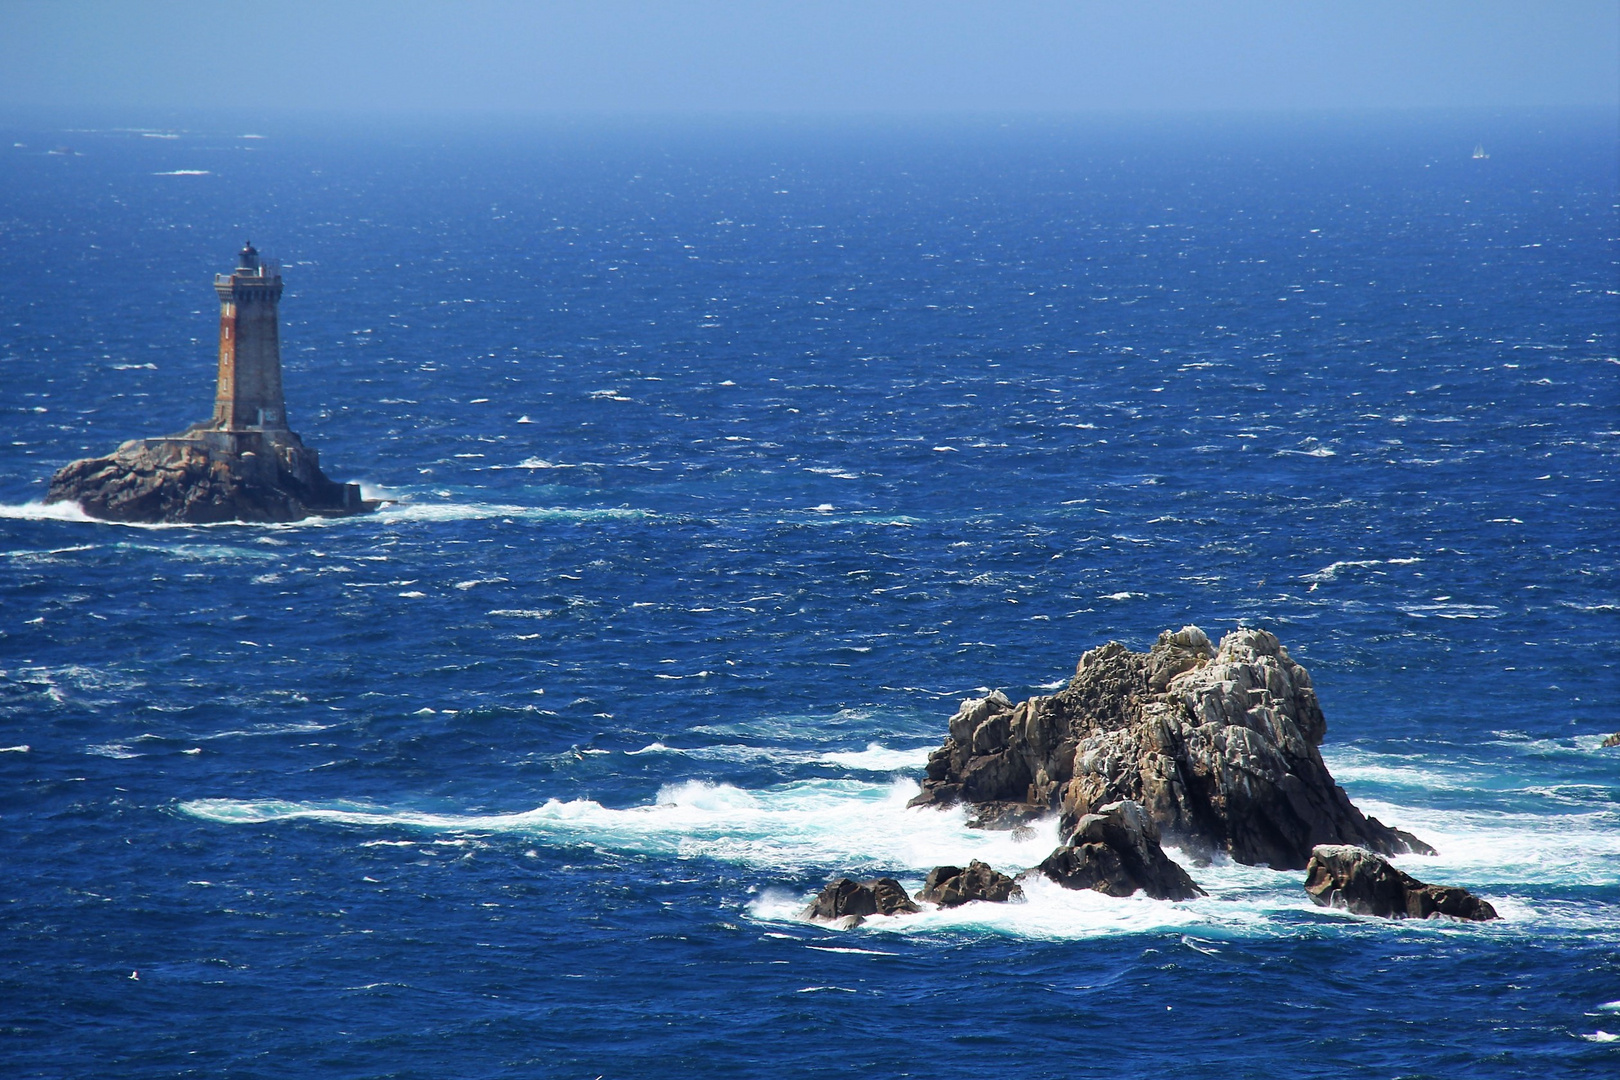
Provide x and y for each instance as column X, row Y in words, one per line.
column 1479, row 152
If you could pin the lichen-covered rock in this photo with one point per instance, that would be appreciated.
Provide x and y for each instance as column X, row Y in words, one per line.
column 203, row 477
column 950, row 886
column 1353, row 878
column 1116, row 851
column 1218, row 745
column 846, row 898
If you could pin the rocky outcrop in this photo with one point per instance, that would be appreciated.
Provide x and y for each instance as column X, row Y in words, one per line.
column 206, row 476
column 950, row 886
column 848, row 902
column 1612, row 740
column 1219, row 746
column 1116, row 851
column 1360, row 881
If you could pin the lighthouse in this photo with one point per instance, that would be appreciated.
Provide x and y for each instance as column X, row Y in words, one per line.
column 248, row 395
column 242, row 464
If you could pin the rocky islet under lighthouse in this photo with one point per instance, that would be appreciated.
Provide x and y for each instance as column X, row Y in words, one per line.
column 244, row 464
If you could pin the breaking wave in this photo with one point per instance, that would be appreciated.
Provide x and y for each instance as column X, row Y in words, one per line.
column 827, row 827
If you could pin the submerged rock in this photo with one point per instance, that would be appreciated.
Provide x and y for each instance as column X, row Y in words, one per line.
column 1116, row 851
column 850, row 901
column 950, row 886
column 1365, row 883
column 1219, row 746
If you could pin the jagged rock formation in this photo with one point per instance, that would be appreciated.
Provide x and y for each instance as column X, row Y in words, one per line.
column 206, row 476
column 848, row 902
column 1357, row 880
column 1612, row 740
column 1116, row 851
column 1218, row 746
column 950, row 886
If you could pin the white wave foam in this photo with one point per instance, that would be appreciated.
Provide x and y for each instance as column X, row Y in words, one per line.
column 875, row 758
column 72, row 512
column 1331, row 571
column 38, row 511
column 1419, row 773
column 414, row 511
column 879, row 758
column 1481, row 848
column 832, row 827
column 1050, row 912
column 1452, row 611
column 300, row 728
column 45, row 555
column 846, row 825
column 202, row 552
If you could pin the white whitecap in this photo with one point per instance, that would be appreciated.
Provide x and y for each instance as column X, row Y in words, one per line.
column 875, row 758
column 825, row 827
column 879, row 758
column 822, row 824
column 34, row 511
column 429, row 512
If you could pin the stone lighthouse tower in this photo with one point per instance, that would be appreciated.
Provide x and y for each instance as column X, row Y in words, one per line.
column 249, row 396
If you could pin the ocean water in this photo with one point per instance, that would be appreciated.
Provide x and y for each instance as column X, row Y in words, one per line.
column 727, row 459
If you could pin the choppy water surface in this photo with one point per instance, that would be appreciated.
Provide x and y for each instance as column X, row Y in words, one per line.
column 727, row 461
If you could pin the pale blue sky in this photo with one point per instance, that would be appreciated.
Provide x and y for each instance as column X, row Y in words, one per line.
column 503, row 56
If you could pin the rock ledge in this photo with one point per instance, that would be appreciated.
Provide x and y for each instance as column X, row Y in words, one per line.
column 1362, row 882
column 952, row 886
column 848, row 902
column 1116, row 852
column 204, row 476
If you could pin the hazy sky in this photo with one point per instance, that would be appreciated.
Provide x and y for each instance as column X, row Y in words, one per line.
column 816, row 56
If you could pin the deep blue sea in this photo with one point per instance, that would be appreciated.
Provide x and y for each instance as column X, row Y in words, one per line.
column 728, row 458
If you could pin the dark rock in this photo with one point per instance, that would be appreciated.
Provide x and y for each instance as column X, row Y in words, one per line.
column 1409, row 844
column 845, row 898
column 1219, row 747
column 205, row 476
column 1612, row 740
column 1360, row 881
column 1116, row 851
column 949, row 886
column 1005, row 816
